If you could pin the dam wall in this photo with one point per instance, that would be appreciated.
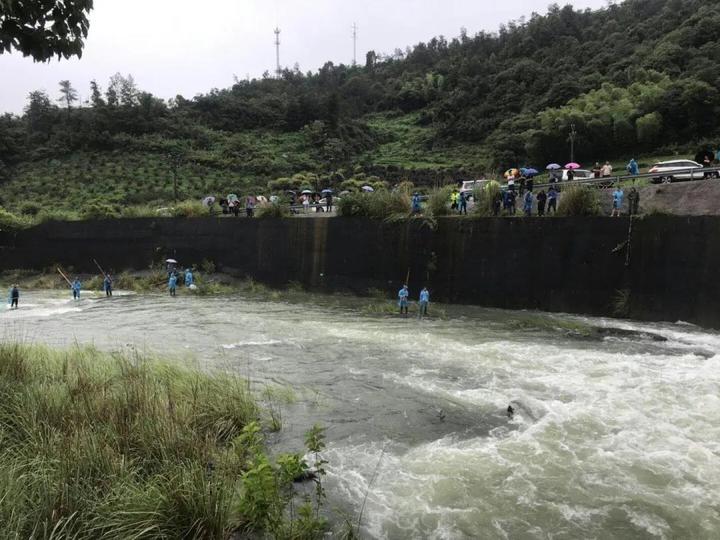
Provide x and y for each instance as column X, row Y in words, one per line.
column 655, row 268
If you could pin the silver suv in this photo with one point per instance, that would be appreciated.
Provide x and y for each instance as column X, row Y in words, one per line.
column 679, row 169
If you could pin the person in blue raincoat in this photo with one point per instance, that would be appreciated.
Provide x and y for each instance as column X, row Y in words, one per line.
column 424, row 302
column 633, row 168
column 416, row 203
column 462, row 203
column 172, row 284
column 403, row 295
column 618, row 195
column 528, row 203
column 76, row 286
column 189, row 278
column 108, row 285
column 14, row 297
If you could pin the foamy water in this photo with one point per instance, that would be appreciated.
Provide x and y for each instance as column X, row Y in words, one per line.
column 615, row 434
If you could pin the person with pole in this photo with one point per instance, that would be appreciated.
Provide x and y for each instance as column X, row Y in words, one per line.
column 424, row 302
column 403, row 295
column 107, row 280
column 14, row 297
column 172, row 284
column 108, row 285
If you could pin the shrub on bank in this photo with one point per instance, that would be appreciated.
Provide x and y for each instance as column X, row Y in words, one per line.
column 9, row 220
column 485, row 197
column 189, row 209
column 579, row 201
column 439, row 201
column 273, row 210
column 381, row 204
column 113, row 446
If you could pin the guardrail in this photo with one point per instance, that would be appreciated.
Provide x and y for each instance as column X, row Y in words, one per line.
column 609, row 181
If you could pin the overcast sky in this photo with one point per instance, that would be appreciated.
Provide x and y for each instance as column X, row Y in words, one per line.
column 188, row 47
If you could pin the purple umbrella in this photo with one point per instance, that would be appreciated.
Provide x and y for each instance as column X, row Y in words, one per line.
column 553, row 167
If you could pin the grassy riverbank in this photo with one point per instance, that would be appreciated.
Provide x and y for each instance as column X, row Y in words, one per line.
column 96, row 445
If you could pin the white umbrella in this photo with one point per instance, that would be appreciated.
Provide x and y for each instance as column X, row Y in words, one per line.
column 368, row 189
column 209, row 201
column 306, row 192
column 171, row 261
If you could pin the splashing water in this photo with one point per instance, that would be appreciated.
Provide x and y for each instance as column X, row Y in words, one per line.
column 616, row 431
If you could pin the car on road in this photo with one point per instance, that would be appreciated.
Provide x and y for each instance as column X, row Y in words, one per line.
column 665, row 172
column 580, row 174
column 470, row 186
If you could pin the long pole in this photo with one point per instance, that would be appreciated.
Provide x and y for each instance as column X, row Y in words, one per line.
column 573, row 134
column 100, row 268
column 64, row 277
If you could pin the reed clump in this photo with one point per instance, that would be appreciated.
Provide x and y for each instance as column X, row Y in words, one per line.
column 96, row 445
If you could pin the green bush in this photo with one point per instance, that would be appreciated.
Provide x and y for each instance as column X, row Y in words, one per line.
column 111, row 446
column 99, row 211
column 273, row 210
column 190, row 209
column 30, row 208
column 439, row 201
column 485, row 197
column 579, row 201
column 11, row 221
column 378, row 205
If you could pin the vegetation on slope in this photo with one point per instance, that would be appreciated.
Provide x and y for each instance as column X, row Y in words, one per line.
column 112, row 446
column 636, row 77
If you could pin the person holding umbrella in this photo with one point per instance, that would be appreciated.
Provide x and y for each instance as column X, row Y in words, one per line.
column 328, row 199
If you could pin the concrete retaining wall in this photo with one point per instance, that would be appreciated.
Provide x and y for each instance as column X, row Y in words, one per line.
column 559, row 264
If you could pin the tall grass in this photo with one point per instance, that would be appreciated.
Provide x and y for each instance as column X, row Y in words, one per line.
column 381, row 204
column 485, row 197
column 439, row 201
column 113, row 446
column 273, row 210
column 579, row 201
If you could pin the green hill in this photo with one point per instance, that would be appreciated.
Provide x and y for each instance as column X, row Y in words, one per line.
column 634, row 78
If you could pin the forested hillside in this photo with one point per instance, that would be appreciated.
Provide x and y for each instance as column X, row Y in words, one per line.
column 636, row 77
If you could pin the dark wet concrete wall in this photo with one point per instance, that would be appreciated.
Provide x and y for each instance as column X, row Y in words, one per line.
column 559, row 264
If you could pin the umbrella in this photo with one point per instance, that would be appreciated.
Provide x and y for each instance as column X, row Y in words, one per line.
column 511, row 172
column 344, row 193
column 368, row 189
column 306, row 192
column 553, row 167
column 171, row 261
column 232, row 198
column 325, row 191
column 572, row 166
column 209, row 201
column 530, row 172
column 290, row 191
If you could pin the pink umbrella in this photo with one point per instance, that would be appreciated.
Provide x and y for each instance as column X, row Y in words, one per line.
column 572, row 166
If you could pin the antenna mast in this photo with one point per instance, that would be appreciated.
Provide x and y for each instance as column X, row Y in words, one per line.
column 354, row 28
column 278, row 72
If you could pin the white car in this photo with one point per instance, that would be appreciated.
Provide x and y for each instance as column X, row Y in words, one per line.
column 679, row 169
column 580, row 174
column 469, row 186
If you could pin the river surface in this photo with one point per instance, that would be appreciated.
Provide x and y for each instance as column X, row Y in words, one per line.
column 616, row 431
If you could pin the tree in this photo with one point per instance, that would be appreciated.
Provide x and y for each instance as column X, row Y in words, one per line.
column 68, row 94
column 38, row 113
column 96, row 95
column 44, row 28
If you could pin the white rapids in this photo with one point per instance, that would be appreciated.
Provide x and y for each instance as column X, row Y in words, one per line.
column 616, row 431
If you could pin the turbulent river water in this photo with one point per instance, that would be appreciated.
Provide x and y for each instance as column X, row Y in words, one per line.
column 616, row 432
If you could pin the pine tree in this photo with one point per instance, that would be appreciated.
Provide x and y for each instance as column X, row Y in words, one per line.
column 67, row 94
